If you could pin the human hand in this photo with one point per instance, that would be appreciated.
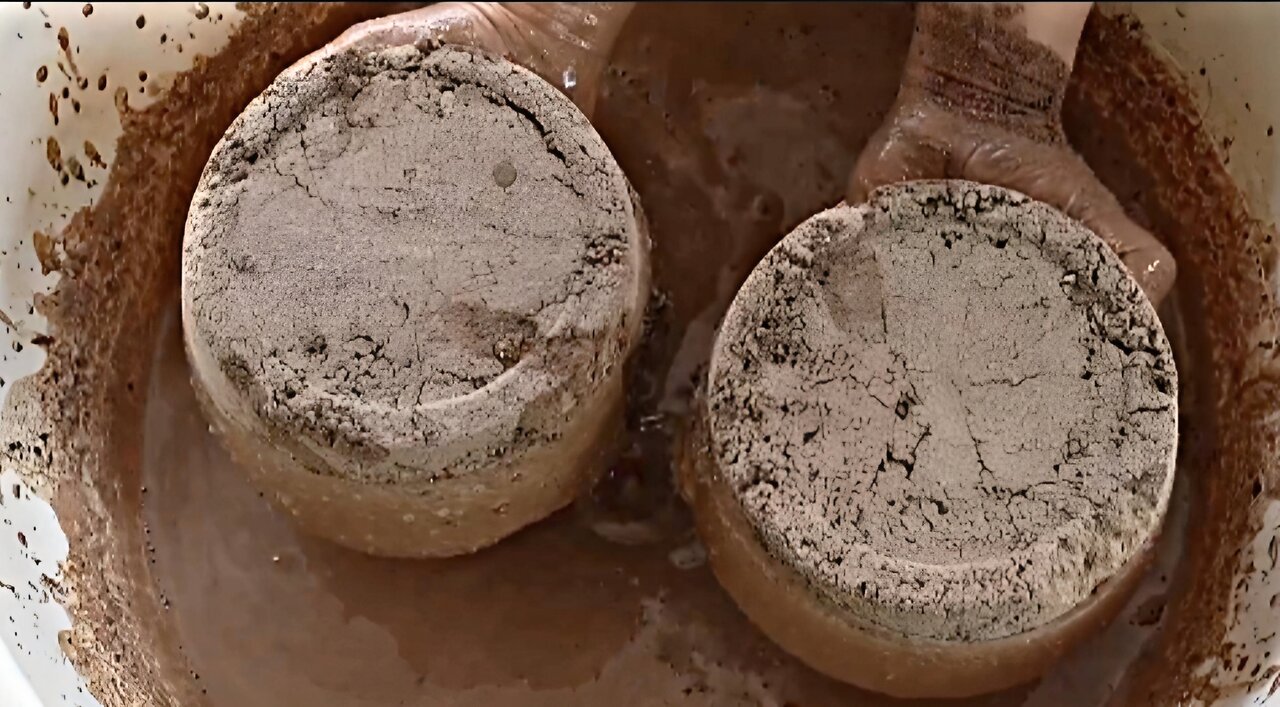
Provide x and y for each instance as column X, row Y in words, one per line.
column 982, row 101
column 567, row 44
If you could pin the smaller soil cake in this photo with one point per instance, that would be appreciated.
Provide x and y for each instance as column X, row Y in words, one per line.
column 937, row 439
column 411, row 279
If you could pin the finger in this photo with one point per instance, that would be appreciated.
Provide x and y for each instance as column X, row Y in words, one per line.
column 570, row 42
column 562, row 43
column 591, row 27
column 1060, row 178
column 1151, row 264
column 453, row 22
column 891, row 156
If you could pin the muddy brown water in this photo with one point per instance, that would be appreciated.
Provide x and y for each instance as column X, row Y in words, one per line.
column 734, row 122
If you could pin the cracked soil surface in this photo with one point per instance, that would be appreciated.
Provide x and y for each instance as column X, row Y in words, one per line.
column 951, row 410
column 410, row 281
column 378, row 238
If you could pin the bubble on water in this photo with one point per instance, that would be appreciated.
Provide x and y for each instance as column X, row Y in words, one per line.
column 570, row 77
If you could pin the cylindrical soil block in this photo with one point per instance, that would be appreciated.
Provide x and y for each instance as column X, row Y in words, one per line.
column 937, row 439
column 410, row 281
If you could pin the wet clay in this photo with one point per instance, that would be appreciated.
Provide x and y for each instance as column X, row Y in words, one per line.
column 735, row 122
column 951, row 410
column 952, row 413
column 410, row 281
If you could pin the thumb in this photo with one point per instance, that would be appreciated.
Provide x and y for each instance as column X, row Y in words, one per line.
column 461, row 23
column 1059, row 177
column 1151, row 264
column 894, row 155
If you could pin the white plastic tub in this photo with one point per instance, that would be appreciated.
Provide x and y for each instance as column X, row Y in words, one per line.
column 1224, row 51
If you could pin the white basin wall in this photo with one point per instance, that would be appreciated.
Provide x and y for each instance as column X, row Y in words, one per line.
column 1238, row 94
column 33, row 670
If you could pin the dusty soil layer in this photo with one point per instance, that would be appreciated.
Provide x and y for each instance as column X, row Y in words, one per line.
column 951, row 410
column 410, row 282
column 735, row 123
